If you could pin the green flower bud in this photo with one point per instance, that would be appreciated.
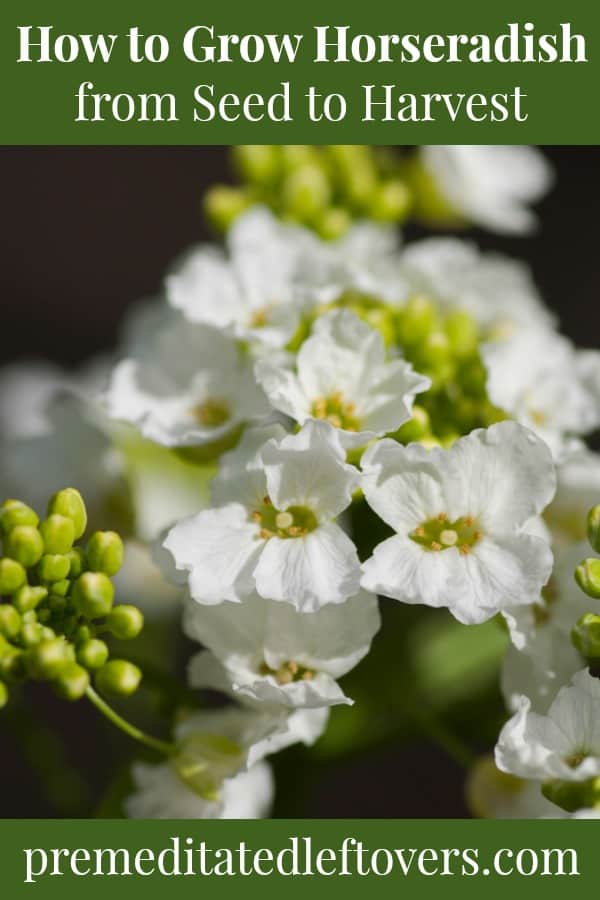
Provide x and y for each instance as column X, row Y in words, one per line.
column 10, row 621
column 12, row 664
column 48, row 659
column 32, row 633
column 69, row 504
column 587, row 576
column 3, row 695
column 30, row 615
column 105, row 552
column 125, row 622
column 92, row 654
column 12, row 576
column 78, row 562
column 293, row 156
column 223, row 205
column 28, row 597
column 257, row 163
column 462, row 332
column 84, row 633
column 13, row 513
column 60, row 588
column 586, row 636
column 415, row 320
column 333, row 223
column 416, row 429
column 593, row 528
column 93, row 594
column 390, row 202
column 24, row 543
column 58, row 533
column 359, row 183
column 72, row 683
column 53, row 567
column 435, row 350
column 306, row 193
column 118, row 677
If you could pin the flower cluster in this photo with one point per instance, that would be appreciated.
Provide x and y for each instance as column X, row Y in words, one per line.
column 313, row 416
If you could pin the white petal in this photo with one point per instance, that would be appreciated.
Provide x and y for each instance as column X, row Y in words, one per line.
column 311, row 571
column 403, row 484
column 503, row 474
column 219, row 548
column 308, row 469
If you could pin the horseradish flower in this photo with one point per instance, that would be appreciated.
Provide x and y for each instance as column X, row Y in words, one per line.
column 342, row 376
column 213, row 748
column 250, row 289
column 161, row 794
column 269, row 652
column 491, row 186
column 564, row 744
column 534, row 376
column 188, row 385
column 459, row 518
column 276, row 532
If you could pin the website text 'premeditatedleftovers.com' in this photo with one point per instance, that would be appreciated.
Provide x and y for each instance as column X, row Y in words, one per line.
column 298, row 857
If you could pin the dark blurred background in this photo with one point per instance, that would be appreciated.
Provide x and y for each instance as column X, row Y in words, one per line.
column 86, row 232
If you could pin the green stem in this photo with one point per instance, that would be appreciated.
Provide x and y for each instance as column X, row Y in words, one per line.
column 136, row 733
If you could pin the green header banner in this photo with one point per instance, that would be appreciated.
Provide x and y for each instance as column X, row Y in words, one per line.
column 523, row 71
column 394, row 858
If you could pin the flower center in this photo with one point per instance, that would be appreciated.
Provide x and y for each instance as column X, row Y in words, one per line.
column 293, row 522
column 212, row 413
column 335, row 410
column 287, row 672
column 440, row 533
column 575, row 759
column 260, row 317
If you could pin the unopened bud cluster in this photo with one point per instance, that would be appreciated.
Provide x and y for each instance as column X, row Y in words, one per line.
column 324, row 188
column 57, row 597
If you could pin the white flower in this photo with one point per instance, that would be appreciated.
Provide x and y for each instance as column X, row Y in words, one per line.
column 275, row 532
column 563, row 744
column 161, row 794
column 342, row 376
column 490, row 185
column 459, row 518
column 534, row 376
column 267, row 651
column 250, row 289
column 497, row 291
column 541, row 658
column 188, row 385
